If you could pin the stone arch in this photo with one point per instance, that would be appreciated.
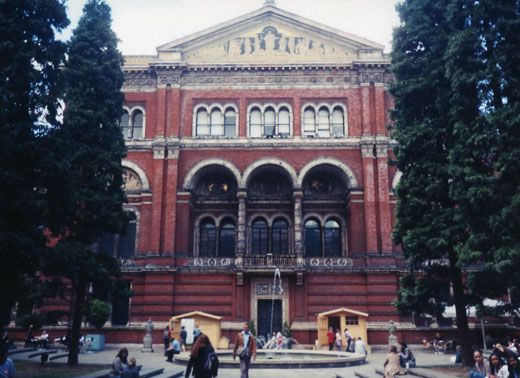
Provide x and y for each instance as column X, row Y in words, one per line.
column 140, row 172
column 270, row 161
column 188, row 180
column 352, row 180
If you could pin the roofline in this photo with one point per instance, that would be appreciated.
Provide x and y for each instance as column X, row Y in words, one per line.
column 276, row 11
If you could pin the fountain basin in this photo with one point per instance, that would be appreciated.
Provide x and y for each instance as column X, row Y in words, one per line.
column 287, row 359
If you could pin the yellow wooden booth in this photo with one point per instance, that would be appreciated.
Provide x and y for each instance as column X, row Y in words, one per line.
column 341, row 318
column 208, row 324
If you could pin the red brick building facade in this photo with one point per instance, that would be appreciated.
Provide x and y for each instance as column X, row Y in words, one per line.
column 257, row 144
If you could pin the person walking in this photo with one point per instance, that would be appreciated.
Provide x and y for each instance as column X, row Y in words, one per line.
column 203, row 361
column 245, row 346
column 391, row 364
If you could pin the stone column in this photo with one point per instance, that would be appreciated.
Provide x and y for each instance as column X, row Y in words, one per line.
column 242, row 228
column 369, row 175
column 298, row 246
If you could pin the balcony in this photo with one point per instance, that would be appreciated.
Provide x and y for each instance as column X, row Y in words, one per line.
column 270, row 262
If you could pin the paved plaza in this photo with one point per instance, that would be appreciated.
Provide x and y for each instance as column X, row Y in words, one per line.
column 156, row 360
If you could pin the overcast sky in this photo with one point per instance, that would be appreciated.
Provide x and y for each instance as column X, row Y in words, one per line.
column 143, row 25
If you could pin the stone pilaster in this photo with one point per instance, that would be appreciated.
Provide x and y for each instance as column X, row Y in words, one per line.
column 242, row 229
column 298, row 245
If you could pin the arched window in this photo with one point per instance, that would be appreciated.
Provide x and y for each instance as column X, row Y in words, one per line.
column 259, row 237
column 280, row 237
column 309, row 122
column 338, row 122
column 217, row 123
column 332, row 236
column 202, row 123
column 137, row 124
column 284, row 123
column 226, row 246
column 323, row 123
column 255, row 123
column 269, row 122
column 208, row 238
column 312, row 238
column 230, row 121
column 124, row 123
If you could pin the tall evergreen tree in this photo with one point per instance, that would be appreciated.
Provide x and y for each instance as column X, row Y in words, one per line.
column 429, row 225
column 92, row 147
column 470, row 125
column 30, row 58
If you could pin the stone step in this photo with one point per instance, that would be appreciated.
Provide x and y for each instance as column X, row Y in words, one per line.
column 97, row 374
column 150, row 372
column 42, row 352
column 175, row 373
column 380, row 372
column 20, row 350
column 59, row 355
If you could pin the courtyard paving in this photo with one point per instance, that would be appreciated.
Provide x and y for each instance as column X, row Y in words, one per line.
column 156, row 360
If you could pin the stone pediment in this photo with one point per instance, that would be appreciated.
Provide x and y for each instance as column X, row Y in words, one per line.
column 270, row 35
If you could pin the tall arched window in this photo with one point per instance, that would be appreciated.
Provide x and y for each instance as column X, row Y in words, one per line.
column 226, row 246
column 217, row 123
column 230, row 121
column 208, row 238
column 338, row 122
column 202, row 123
column 255, row 123
column 122, row 245
column 137, row 124
column 124, row 123
column 312, row 238
column 284, row 122
column 280, row 237
column 269, row 122
column 259, row 237
column 332, row 236
column 323, row 123
column 309, row 122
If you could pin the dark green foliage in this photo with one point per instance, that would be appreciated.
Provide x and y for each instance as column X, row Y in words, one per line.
column 457, row 117
column 286, row 330
column 91, row 145
column 252, row 328
column 98, row 312
column 29, row 87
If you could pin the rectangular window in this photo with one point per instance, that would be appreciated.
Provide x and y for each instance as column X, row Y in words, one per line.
column 352, row 320
column 230, row 121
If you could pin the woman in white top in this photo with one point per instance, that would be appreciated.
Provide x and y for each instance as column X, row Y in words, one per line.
column 338, row 340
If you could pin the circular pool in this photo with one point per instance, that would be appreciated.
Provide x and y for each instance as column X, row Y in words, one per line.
column 287, row 359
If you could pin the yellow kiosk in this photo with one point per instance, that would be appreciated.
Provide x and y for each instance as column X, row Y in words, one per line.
column 341, row 318
column 208, row 324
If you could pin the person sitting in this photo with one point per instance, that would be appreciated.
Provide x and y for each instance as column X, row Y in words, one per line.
column 29, row 338
column 173, row 349
column 120, row 364
column 391, row 364
column 439, row 345
column 406, row 357
column 43, row 339
column 511, row 369
column 481, row 369
column 495, row 364
column 132, row 370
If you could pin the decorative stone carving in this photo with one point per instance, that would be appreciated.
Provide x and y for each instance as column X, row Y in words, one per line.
column 159, row 153
column 270, row 44
column 329, row 262
column 131, row 180
column 367, row 150
column 140, row 79
column 209, row 262
column 148, row 340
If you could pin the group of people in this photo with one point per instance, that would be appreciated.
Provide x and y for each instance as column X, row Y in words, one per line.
column 204, row 363
column 396, row 360
column 124, row 367
column 172, row 346
column 35, row 341
column 354, row 345
column 502, row 362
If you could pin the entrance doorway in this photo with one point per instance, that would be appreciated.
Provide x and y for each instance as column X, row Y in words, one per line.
column 264, row 316
column 334, row 322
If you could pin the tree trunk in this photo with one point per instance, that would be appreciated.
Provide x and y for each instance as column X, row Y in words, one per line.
column 462, row 317
column 77, row 318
